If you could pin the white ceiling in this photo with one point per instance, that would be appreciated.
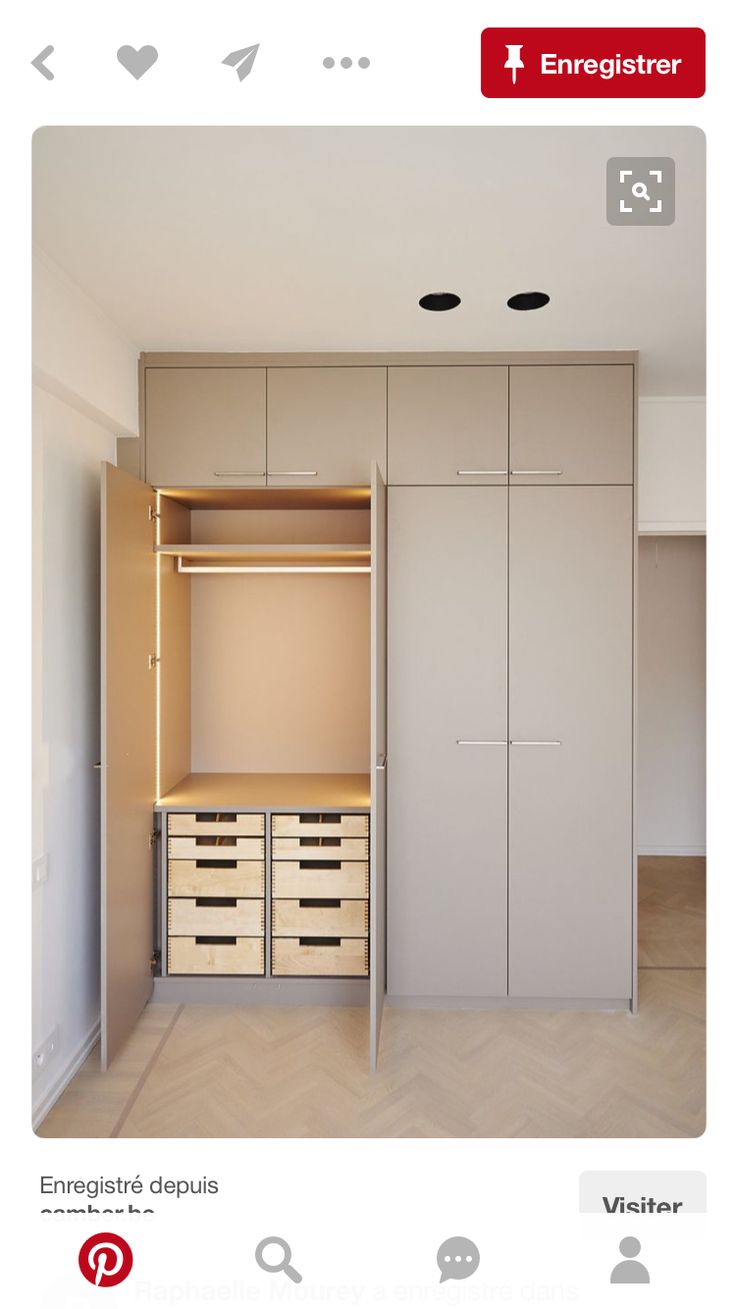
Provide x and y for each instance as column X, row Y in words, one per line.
column 272, row 239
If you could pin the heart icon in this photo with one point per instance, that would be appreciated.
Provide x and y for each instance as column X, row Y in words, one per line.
column 137, row 62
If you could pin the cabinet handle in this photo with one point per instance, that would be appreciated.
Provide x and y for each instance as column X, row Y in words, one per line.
column 305, row 472
column 482, row 472
column 239, row 474
column 381, row 763
column 535, row 742
column 536, row 472
column 481, row 743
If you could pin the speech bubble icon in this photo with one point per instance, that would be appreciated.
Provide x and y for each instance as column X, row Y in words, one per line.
column 457, row 1258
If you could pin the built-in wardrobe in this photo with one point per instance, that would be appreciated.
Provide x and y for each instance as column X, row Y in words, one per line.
column 359, row 741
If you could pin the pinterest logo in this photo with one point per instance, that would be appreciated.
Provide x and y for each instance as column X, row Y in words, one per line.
column 105, row 1259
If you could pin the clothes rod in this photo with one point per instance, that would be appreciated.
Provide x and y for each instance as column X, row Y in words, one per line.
column 183, row 567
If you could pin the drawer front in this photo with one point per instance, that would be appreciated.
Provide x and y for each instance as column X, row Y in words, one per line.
column 320, row 917
column 318, row 848
column 343, row 881
column 319, row 825
column 216, row 915
column 229, row 954
column 310, row 957
column 239, row 877
column 217, row 847
column 215, row 824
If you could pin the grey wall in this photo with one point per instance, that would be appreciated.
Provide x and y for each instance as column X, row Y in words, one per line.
column 672, row 695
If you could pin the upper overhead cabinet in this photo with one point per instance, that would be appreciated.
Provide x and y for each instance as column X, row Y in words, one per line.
column 206, row 426
column 571, row 424
column 326, row 426
column 448, row 426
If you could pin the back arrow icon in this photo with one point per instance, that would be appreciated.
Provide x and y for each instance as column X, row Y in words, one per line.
column 38, row 63
column 242, row 60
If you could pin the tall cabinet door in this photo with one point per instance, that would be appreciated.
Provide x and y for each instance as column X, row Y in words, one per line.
column 378, row 761
column 447, row 741
column 570, row 757
column 128, row 779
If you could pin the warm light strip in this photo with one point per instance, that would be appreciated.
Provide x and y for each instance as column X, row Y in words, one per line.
column 158, row 645
column 270, row 568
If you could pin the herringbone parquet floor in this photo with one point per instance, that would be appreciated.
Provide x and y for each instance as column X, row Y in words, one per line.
column 210, row 1071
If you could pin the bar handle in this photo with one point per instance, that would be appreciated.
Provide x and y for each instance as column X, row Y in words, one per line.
column 481, row 472
column 303, row 472
column 462, row 742
column 238, row 473
column 535, row 742
column 536, row 472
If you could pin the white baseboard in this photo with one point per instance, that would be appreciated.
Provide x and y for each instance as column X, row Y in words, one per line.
column 58, row 1086
column 673, row 850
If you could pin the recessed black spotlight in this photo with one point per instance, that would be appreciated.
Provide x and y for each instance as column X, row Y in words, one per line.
column 528, row 300
column 439, row 301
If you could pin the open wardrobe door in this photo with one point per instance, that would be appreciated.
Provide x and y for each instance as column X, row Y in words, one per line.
column 378, row 761
column 128, row 758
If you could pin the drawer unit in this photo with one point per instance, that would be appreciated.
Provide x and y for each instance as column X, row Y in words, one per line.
column 217, row 848
column 238, row 877
column 319, row 825
column 212, row 915
column 216, row 954
column 319, row 917
column 312, row 956
column 332, row 878
column 217, row 824
column 310, row 848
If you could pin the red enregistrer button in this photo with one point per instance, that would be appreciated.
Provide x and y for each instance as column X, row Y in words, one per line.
column 590, row 62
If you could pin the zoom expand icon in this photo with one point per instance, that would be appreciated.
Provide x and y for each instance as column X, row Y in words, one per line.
column 105, row 1259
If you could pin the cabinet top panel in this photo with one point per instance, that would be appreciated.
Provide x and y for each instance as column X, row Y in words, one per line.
column 218, row 791
column 204, row 359
column 269, row 497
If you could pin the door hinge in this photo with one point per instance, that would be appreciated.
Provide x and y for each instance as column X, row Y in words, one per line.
column 152, row 514
column 155, row 961
column 153, row 838
column 153, row 659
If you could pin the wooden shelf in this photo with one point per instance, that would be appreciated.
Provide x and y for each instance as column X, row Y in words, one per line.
column 269, row 497
column 219, row 791
column 292, row 556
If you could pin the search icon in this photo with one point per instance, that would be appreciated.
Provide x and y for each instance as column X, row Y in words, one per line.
column 639, row 189
column 283, row 1265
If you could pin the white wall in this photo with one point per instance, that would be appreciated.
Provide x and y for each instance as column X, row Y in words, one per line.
column 672, row 464
column 85, row 394
column 671, row 783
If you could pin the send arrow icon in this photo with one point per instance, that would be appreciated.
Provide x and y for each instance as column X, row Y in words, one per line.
column 242, row 60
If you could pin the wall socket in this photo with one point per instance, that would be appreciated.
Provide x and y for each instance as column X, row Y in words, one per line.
column 44, row 1053
column 40, row 870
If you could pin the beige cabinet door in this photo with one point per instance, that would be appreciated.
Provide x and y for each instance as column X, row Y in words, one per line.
column 379, row 764
column 571, row 424
column 326, row 426
column 448, row 425
column 570, row 757
column 447, row 741
column 128, row 771
column 206, row 426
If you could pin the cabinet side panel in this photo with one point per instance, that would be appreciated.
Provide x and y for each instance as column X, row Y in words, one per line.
column 174, row 649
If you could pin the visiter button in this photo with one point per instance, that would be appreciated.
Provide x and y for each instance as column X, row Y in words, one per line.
column 590, row 62
column 627, row 1194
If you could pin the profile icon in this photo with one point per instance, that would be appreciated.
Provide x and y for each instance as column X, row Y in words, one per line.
column 630, row 1270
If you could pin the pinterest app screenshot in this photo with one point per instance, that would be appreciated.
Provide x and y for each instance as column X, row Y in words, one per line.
column 369, row 708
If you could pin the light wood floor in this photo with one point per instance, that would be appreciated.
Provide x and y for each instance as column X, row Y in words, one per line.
column 210, row 1071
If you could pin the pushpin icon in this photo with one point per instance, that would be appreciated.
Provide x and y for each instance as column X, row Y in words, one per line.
column 514, row 60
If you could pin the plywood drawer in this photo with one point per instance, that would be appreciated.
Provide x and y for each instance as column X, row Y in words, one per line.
column 344, row 881
column 215, row 915
column 319, row 917
column 211, row 954
column 217, row 847
column 217, row 824
column 319, row 825
column 239, row 877
column 312, row 957
column 320, row 848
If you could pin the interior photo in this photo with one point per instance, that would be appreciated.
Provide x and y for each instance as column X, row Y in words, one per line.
column 369, row 635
